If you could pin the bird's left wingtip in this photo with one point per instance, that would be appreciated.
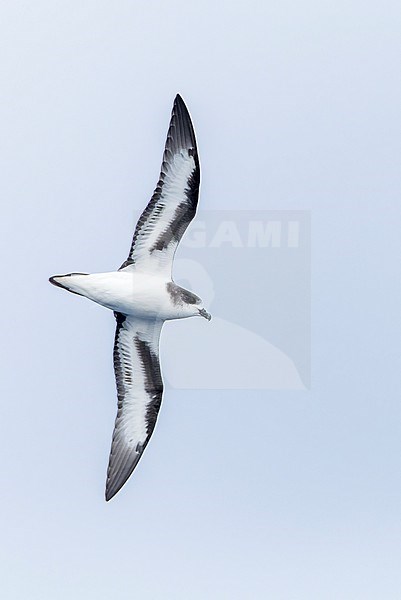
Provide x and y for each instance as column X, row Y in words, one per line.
column 110, row 492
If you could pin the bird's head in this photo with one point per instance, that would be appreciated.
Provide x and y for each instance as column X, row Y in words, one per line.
column 188, row 303
column 203, row 313
column 195, row 309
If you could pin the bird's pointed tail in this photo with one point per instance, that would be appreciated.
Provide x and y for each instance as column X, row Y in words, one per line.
column 66, row 281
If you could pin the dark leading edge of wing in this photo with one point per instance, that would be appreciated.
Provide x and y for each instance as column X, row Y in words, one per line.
column 174, row 201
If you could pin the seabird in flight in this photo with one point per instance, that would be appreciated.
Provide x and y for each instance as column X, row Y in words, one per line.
column 143, row 296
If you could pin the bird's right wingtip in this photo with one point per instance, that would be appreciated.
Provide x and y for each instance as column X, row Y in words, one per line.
column 180, row 104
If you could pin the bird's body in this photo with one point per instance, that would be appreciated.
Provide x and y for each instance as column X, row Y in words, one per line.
column 133, row 293
column 142, row 295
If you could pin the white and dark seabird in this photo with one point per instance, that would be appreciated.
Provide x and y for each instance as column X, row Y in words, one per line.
column 143, row 295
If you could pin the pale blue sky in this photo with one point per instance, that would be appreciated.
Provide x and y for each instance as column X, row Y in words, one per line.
column 240, row 495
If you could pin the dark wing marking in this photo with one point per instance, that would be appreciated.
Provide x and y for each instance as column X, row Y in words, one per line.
column 174, row 202
column 139, row 390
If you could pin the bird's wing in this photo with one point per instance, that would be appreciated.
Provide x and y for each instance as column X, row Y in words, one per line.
column 174, row 201
column 139, row 389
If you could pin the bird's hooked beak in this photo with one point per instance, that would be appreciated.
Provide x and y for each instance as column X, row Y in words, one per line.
column 204, row 313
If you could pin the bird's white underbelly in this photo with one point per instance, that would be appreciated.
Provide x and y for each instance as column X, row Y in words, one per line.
column 129, row 293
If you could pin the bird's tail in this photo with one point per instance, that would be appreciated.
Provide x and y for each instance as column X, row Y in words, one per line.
column 67, row 281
